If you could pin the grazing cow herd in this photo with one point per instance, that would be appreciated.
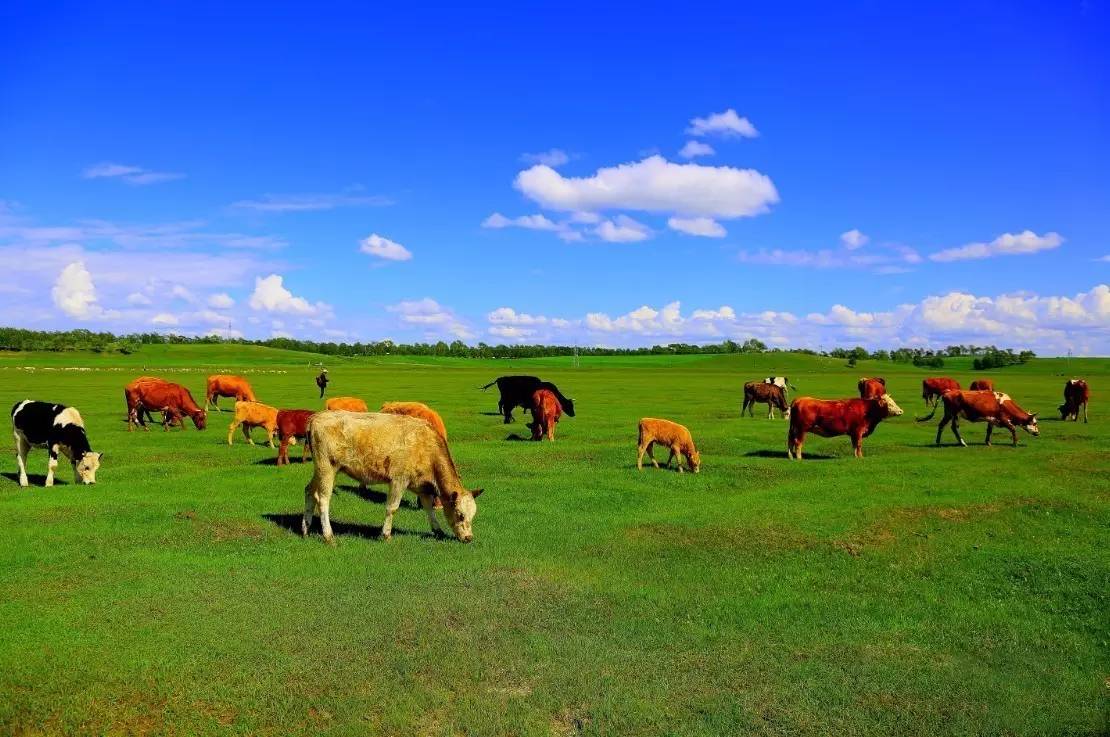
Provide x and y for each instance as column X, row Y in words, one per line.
column 404, row 444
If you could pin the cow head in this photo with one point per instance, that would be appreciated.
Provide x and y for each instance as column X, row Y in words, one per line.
column 1065, row 412
column 200, row 419
column 1030, row 425
column 693, row 460
column 460, row 508
column 569, row 407
column 887, row 403
column 84, row 468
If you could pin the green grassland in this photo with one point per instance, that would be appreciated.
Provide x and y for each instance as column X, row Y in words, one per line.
column 920, row 590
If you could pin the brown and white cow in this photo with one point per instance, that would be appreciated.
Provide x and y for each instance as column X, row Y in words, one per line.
column 994, row 408
column 772, row 395
column 856, row 418
column 227, row 385
column 871, row 388
column 933, row 388
column 546, row 412
column 982, row 385
column 1076, row 396
column 292, row 424
column 349, row 404
column 254, row 414
column 158, row 395
column 380, row 448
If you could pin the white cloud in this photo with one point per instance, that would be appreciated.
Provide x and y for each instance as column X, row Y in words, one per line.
column 1004, row 245
column 509, row 316
column 554, row 158
column 622, row 229
column 654, row 185
column 704, row 227
column 138, row 299
column 270, row 295
column 853, row 239
column 130, row 174
column 693, row 149
column 226, row 333
column 310, row 202
column 165, row 319
column 182, row 293
column 221, row 301
column 376, row 245
column 530, row 222
column 434, row 318
column 511, row 332
column 885, row 259
column 727, row 123
column 74, row 292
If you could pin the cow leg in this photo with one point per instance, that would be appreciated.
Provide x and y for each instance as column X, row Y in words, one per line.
column 1013, row 431
column 21, row 449
column 230, row 430
column 304, row 447
column 53, row 464
column 270, row 432
column 956, row 430
column 247, row 433
column 283, row 451
column 428, row 501
column 1084, row 413
column 640, row 456
column 857, row 444
column 676, row 453
column 794, row 443
column 392, row 504
column 551, row 430
column 322, row 499
column 990, row 430
column 770, row 411
column 651, row 453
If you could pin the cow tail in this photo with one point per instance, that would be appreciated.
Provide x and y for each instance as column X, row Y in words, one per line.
column 929, row 416
column 487, row 386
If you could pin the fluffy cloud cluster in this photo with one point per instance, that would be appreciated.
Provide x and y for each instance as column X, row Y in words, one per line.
column 694, row 149
column 704, row 227
column 1007, row 244
column 727, row 123
column 270, row 295
column 434, row 318
column 853, row 239
column 376, row 245
column 74, row 292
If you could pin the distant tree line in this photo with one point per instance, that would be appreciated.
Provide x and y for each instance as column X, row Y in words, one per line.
column 18, row 339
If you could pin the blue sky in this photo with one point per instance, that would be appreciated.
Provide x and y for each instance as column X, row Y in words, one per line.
column 808, row 174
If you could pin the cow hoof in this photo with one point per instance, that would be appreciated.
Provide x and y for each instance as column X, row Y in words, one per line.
column 963, row 444
column 330, row 540
column 439, row 534
column 387, row 538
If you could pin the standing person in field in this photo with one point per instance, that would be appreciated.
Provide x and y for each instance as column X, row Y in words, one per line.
column 322, row 382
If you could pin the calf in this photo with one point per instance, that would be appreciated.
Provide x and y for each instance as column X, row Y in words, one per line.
column 158, row 395
column 1076, row 396
column 227, row 385
column 254, row 414
column 772, row 395
column 292, row 424
column 58, row 429
column 982, row 385
column 994, row 408
column 517, row 391
column 871, row 388
column 349, row 404
column 933, row 388
column 669, row 434
column 546, row 412
column 856, row 418
column 418, row 410
column 402, row 451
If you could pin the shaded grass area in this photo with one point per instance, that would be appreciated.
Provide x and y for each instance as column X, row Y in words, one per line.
column 919, row 590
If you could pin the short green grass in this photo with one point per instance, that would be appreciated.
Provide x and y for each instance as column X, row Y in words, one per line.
column 919, row 590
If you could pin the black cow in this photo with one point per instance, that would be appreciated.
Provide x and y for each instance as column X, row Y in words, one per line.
column 517, row 391
column 56, row 428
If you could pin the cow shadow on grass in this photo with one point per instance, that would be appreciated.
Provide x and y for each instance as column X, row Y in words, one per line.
column 294, row 460
column 517, row 437
column 377, row 497
column 806, row 455
column 34, row 479
column 292, row 523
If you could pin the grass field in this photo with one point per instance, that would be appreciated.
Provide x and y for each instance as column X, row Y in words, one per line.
column 920, row 590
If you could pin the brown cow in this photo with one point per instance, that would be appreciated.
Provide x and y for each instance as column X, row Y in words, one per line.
column 856, row 418
column 982, row 385
column 871, row 388
column 772, row 395
column 546, row 412
column 251, row 415
column 994, row 408
column 227, row 385
column 671, row 435
column 291, row 425
column 418, row 410
column 157, row 395
column 350, row 404
column 1076, row 395
column 931, row 389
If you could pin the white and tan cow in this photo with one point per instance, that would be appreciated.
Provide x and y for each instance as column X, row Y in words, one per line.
column 59, row 429
column 404, row 452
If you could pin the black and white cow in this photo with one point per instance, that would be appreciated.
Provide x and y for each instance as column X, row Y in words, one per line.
column 782, row 382
column 58, row 429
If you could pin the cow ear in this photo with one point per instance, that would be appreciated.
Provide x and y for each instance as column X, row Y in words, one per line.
column 99, row 457
column 452, row 497
column 476, row 493
column 1034, row 415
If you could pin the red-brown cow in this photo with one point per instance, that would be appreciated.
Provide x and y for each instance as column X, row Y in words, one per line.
column 982, row 385
column 546, row 412
column 932, row 389
column 292, row 425
column 1076, row 396
column 994, row 408
column 158, row 395
column 856, row 418
column 227, row 385
column 871, row 388
column 772, row 395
